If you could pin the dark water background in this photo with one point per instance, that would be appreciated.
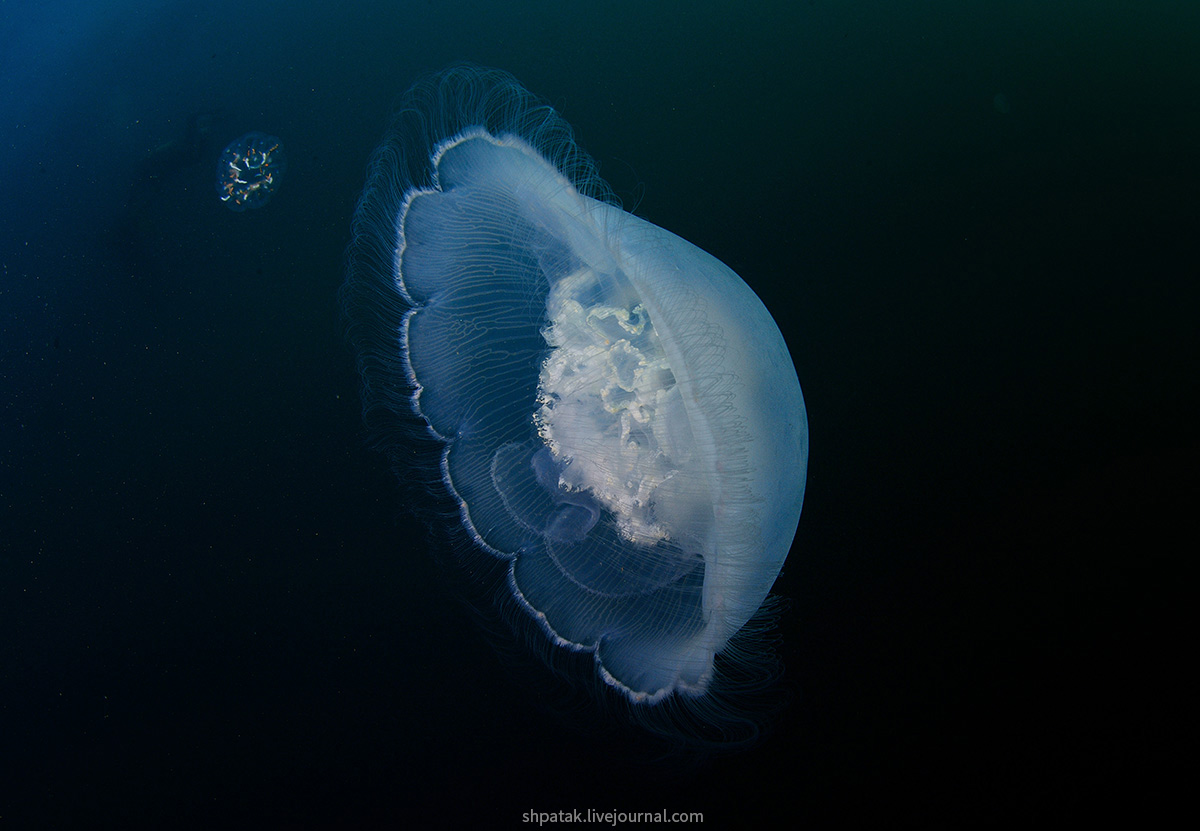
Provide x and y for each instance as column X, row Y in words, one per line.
column 975, row 224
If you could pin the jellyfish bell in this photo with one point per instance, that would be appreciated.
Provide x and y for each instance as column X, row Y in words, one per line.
column 250, row 170
column 617, row 416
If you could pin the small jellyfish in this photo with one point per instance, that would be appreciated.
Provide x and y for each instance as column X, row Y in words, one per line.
column 250, row 170
column 617, row 415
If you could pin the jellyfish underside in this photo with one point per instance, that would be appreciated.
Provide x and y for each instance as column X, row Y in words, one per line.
column 621, row 417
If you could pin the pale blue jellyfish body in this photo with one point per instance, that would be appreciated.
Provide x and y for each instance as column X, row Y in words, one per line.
column 620, row 418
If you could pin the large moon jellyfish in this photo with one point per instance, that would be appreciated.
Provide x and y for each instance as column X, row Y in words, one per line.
column 616, row 414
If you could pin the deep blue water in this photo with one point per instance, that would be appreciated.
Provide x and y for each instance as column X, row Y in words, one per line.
column 974, row 223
